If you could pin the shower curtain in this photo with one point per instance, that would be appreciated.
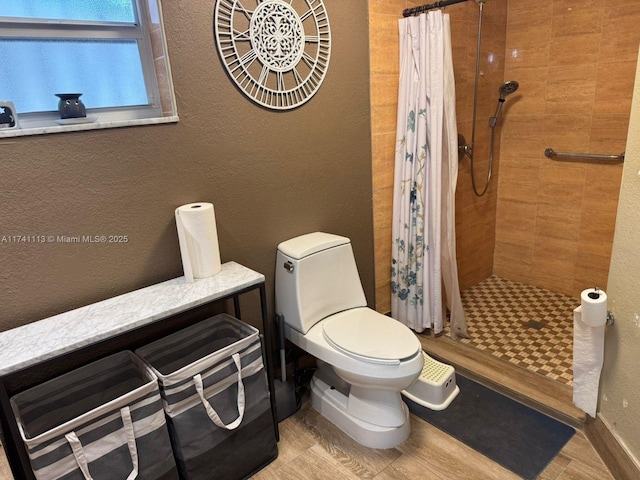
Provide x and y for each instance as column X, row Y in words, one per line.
column 426, row 171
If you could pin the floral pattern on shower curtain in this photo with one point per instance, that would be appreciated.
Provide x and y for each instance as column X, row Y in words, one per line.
column 426, row 171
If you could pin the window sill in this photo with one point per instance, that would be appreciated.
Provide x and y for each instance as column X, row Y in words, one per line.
column 21, row 132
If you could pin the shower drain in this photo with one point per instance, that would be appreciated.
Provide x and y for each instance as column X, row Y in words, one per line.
column 535, row 324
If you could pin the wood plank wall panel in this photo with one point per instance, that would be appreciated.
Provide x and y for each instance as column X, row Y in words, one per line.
column 575, row 62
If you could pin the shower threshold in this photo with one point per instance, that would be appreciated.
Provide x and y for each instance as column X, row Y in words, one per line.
column 532, row 389
column 521, row 342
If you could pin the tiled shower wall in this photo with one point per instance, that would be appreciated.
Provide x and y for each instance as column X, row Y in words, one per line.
column 542, row 222
column 575, row 61
column 475, row 216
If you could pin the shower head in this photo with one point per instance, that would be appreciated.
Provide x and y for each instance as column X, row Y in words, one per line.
column 507, row 88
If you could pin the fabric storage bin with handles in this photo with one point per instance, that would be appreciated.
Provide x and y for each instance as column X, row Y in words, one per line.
column 216, row 397
column 101, row 421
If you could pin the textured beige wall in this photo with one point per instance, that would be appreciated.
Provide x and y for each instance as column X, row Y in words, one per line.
column 620, row 389
column 271, row 175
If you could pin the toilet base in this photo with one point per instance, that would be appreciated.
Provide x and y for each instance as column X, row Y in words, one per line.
column 332, row 404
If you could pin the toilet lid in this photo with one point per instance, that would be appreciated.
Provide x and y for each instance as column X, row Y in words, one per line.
column 370, row 336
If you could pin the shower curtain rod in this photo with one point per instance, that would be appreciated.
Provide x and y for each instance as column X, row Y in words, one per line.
column 423, row 8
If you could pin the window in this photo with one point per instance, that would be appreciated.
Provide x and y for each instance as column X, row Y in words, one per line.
column 108, row 50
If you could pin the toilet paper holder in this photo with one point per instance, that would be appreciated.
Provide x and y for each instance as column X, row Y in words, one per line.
column 611, row 319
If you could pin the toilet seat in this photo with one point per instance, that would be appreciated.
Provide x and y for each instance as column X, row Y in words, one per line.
column 369, row 336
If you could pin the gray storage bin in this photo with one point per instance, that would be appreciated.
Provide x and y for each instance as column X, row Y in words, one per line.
column 216, row 397
column 102, row 421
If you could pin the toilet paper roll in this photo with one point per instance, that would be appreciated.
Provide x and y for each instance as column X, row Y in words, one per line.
column 594, row 307
column 588, row 357
column 198, row 236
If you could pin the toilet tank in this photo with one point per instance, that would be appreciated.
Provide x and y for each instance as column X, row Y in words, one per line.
column 316, row 276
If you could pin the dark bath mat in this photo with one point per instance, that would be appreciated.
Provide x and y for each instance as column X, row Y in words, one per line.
column 509, row 433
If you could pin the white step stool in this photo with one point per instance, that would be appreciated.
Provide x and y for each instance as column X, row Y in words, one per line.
column 436, row 386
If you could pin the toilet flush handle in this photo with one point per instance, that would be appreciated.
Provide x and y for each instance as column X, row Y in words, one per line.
column 288, row 266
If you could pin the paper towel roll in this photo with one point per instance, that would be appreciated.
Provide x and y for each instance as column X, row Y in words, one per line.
column 588, row 357
column 198, row 236
column 594, row 307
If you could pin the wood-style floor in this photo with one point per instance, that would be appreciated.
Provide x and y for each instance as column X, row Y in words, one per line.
column 5, row 472
column 311, row 448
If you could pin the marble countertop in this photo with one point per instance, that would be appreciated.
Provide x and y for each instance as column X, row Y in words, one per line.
column 44, row 129
column 30, row 344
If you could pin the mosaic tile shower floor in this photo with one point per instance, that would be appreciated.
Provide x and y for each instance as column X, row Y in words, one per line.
column 523, row 324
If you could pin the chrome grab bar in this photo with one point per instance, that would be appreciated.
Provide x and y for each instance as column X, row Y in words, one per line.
column 552, row 154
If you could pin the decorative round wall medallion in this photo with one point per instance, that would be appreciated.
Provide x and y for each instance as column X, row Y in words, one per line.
column 277, row 52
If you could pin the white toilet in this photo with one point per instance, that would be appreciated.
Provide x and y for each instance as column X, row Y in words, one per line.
column 365, row 359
